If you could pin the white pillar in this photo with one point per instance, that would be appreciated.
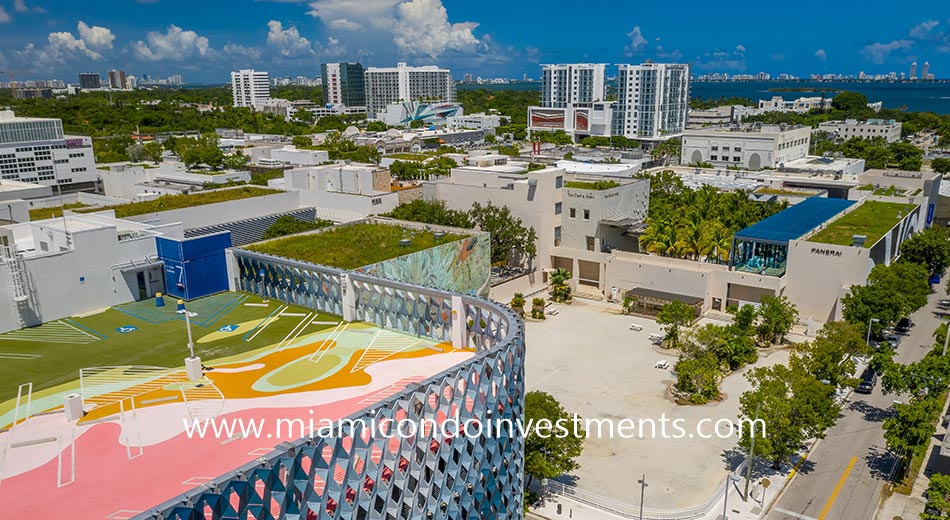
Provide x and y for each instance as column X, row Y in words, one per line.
column 349, row 297
column 72, row 404
column 193, row 368
column 459, row 325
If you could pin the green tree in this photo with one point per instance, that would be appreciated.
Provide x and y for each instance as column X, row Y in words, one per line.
column 910, row 428
column 302, row 141
column 730, row 349
column 929, row 248
column 153, row 151
column 698, row 377
column 892, row 291
column 831, row 356
column 236, row 161
column 517, row 303
column 938, row 498
column 627, row 305
column 850, row 102
column 560, row 289
column 743, row 320
column 905, row 155
column 135, row 152
column 376, row 126
column 794, row 407
column 511, row 240
column 537, row 308
column 431, row 212
column 675, row 315
column 549, row 456
column 941, row 165
column 777, row 315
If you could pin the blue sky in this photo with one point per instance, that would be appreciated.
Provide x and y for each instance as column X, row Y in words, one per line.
column 204, row 39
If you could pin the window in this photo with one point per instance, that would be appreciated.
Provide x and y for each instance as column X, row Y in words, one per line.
column 713, row 157
column 559, row 182
column 590, row 243
column 572, row 212
column 557, row 236
column 586, row 214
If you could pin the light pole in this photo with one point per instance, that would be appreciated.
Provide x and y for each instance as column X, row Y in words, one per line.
column 946, row 339
column 725, row 499
column 870, row 321
column 192, row 362
column 643, row 486
column 748, row 468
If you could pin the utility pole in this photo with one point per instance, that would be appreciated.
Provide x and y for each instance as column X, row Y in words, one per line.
column 751, row 459
column 946, row 339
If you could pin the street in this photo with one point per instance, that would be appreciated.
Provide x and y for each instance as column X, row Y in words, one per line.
column 843, row 477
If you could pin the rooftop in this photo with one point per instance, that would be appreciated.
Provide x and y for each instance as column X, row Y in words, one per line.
column 795, row 221
column 351, row 246
column 170, row 202
column 872, row 219
column 591, row 185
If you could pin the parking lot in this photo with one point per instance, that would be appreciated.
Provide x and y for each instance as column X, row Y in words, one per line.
column 588, row 358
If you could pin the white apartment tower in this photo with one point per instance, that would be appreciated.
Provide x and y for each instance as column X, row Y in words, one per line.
column 925, row 72
column 580, row 84
column 250, row 88
column 385, row 85
column 913, row 70
column 34, row 149
column 652, row 100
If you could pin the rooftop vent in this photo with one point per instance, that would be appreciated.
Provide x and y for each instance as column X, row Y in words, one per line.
column 404, row 242
column 858, row 240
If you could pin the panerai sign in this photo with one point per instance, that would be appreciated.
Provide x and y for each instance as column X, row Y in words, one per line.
column 825, row 252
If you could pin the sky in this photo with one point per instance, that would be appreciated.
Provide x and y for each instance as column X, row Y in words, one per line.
column 206, row 39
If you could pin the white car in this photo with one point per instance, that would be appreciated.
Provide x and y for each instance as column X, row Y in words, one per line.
column 636, row 327
column 664, row 364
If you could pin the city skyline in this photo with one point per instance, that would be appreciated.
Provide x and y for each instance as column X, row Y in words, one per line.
column 287, row 38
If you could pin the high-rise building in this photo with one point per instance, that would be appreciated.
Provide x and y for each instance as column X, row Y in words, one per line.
column 343, row 84
column 913, row 70
column 925, row 71
column 652, row 100
column 579, row 84
column 176, row 79
column 131, row 82
column 250, row 88
column 117, row 79
column 385, row 85
column 35, row 150
column 468, row 78
column 89, row 81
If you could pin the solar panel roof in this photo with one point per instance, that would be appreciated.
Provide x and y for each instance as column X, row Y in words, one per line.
column 795, row 221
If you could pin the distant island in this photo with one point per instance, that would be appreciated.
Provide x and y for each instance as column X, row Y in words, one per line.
column 804, row 89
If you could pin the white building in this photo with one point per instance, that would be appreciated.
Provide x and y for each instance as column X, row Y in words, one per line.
column 36, row 150
column 765, row 146
column 250, row 88
column 292, row 155
column 888, row 129
column 802, row 104
column 479, row 121
column 652, row 100
column 576, row 120
column 385, row 85
column 570, row 84
column 343, row 192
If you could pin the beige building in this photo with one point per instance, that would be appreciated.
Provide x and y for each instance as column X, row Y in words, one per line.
column 765, row 146
column 887, row 129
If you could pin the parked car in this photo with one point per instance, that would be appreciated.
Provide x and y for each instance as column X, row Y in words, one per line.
column 868, row 380
column 636, row 327
column 944, row 304
column 903, row 326
column 655, row 338
column 893, row 340
column 664, row 364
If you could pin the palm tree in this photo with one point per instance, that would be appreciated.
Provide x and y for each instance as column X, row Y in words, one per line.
column 517, row 303
column 560, row 290
column 537, row 308
column 720, row 242
column 659, row 238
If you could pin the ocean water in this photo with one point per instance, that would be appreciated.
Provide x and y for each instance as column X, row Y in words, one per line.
column 916, row 97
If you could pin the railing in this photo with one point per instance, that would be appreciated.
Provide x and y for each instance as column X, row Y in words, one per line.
column 367, row 476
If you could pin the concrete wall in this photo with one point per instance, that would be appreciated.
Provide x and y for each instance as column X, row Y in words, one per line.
column 630, row 200
column 820, row 274
column 14, row 210
column 346, row 207
column 222, row 212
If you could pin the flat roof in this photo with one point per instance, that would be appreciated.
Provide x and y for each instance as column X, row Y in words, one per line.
column 873, row 219
column 795, row 221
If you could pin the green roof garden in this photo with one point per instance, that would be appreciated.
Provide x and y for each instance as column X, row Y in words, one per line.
column 594, row 185
column 872, row 219
column 354, row 245
column 170, row 202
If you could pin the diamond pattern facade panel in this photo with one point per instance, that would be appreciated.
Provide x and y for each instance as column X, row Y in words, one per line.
column 373, row 474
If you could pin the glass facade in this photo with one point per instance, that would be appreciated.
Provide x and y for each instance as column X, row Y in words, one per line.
column 753, row 256
column 30, row 130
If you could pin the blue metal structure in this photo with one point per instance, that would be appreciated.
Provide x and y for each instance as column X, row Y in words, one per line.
column 795, row 221
column 195, row 267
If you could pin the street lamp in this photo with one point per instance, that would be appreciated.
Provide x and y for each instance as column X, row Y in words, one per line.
column 946, row 338
column 192, row 362
column 725, row 499
column 872, row 320
column 643, row 486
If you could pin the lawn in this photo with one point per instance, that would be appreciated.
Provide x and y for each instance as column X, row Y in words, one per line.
column 170, row 202
column 53, row 212
column 53, row 353
column 408, row 156
column 349, row 247
column 872, row 219
column 595, row 185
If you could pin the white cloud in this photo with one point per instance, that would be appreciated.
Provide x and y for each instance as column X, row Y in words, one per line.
column 637, row 42
column 878, row 52
column 821, row 55
column 334, row 47
column 288, row 42
column 673, row 55
column 423, row 27
column 175, row 44
column 343, row 23
column 20, row 6
column 740, row 48
column 4, row 15
column 95, row 37
column 922, row 30
column 242, row 52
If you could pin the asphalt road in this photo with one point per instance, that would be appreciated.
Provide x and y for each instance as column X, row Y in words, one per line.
column 843, row 477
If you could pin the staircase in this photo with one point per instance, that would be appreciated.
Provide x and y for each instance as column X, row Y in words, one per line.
column 15, row 280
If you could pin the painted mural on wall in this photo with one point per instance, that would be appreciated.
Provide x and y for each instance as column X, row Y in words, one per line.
column 462, row 266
